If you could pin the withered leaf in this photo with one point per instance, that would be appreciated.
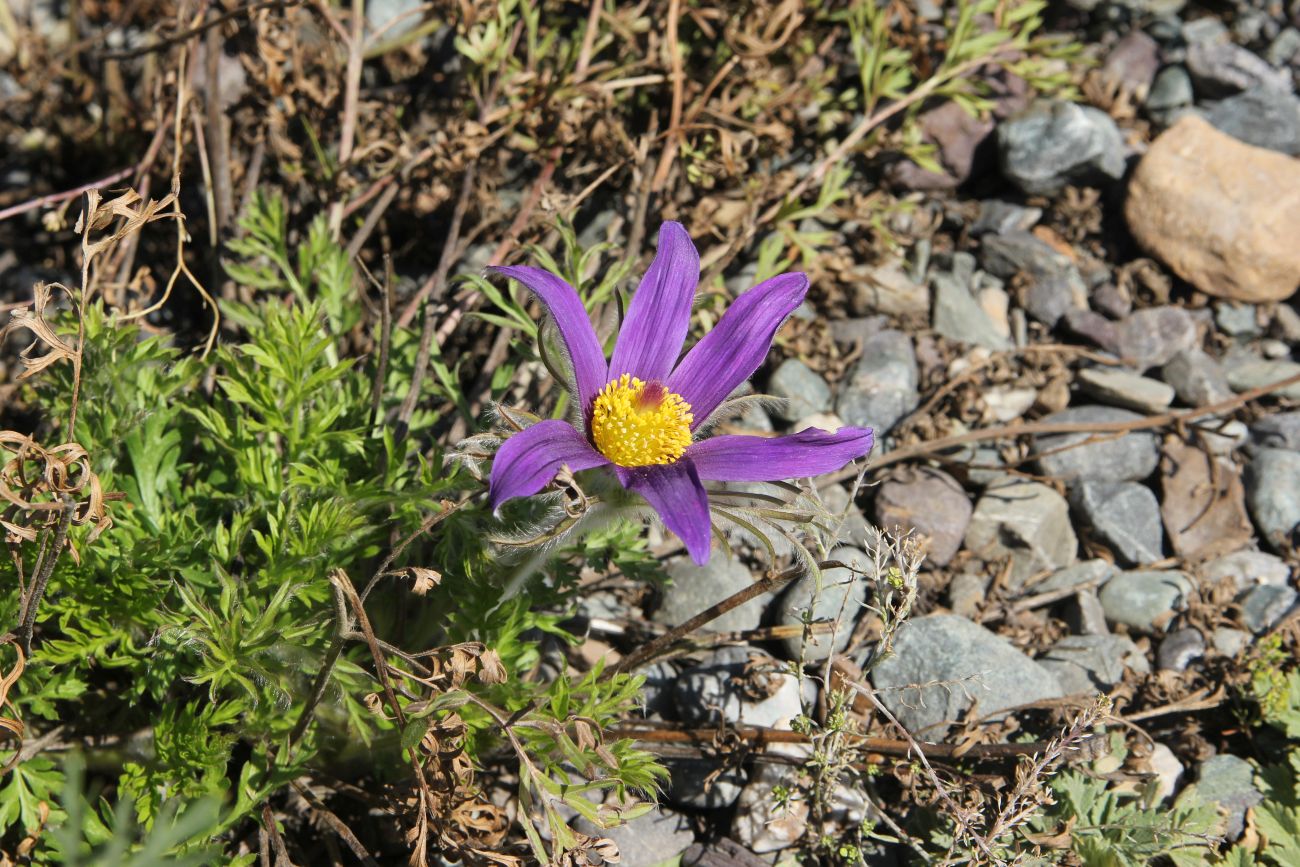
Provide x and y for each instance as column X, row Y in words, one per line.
column 491, row 669
column 1204, row 503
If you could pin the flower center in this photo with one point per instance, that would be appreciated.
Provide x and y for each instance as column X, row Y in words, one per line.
column 636, row 423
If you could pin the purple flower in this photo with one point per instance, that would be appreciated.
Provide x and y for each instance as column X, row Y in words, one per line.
column 638, row 414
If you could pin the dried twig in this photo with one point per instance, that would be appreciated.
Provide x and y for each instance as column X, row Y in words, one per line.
column 771, row 584
column 1165, row 419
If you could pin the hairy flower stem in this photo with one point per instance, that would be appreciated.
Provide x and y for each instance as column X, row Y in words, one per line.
column 45, row 561
column 598, row 517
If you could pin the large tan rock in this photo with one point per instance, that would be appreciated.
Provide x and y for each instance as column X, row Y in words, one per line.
column 1224, row 215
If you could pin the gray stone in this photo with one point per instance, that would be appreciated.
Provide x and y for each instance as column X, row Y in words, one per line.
column 1273, row 493
column 762, row 824
column 857, row 329
column 394, row 17
column 1246, row 569
column 739, row 686
column 1085, row 615
column 695, row 588
column 1093, row 327
column 956, row 134
column 1006, row 404
column 1112, row 301
column 1090, row 573
column 1131, row 65
column 1092, row 663
column 1053, row 143
column 1220, row 68
column 1271, row 347
column 1197, row 379
column 1167, row 770
column 929, row 501
column 1119, row 387
column 1179, row 648
column 1125, row 516
column 999, row 217
column 693, row 784
column 645, row 841
column 1145, row 600
column 837, row 599
column 1027, row 522
column 1265, row 605
column 882, row 386
column 958, row 316
column 755, row 418
column 1236, row 320
column 1151, row 337
column 943, row 663
column 1053, row 283
column 1171, row 95
column 803, row 391
column 1228, row 781
column 1277, row 431
column 1244, row 375
column 1224, row 437
column 1130, row 457
column 890, row 290
column 966, row 592
column 1286, row 322
column 1207, row 29
column 853, row 527
column 657, row 690
column 1229, row 641
column 1285, row 48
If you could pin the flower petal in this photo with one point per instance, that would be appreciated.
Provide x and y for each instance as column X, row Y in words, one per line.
column 529, row 460
column 564, row 305
column 731, row 352
column 660, row 313
column 739, row 458
column 675, row 492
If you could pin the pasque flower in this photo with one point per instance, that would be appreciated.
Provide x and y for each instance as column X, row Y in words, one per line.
column 639, row 413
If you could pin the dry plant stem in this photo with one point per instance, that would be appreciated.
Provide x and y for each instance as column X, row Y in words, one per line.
column 891, row 747
column 385, row 335
column 205, row 169
column 923, row 449
column 646, row 652
column 45, row 562
column 336, row 824
column 55, row 198
column 673, row 132
column 427, row 331
column 343, row 622
column 218, row 135
column 186, row 35
column 958, row 815
column 351, row 96
column 11, row 728
column 870, row 122
column 373, row 216
column 1026, row 798
column 277, row 842
column 381, row 666
column 182, row 100
column 588, row 40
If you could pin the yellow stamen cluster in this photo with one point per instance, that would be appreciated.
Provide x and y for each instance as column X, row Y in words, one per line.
column 636, row 423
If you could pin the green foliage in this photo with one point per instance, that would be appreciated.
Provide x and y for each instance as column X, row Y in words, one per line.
column 1111, row 827
column 1278, row 816
column 1275, row 686
column 196, row 626
column 111, row 836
